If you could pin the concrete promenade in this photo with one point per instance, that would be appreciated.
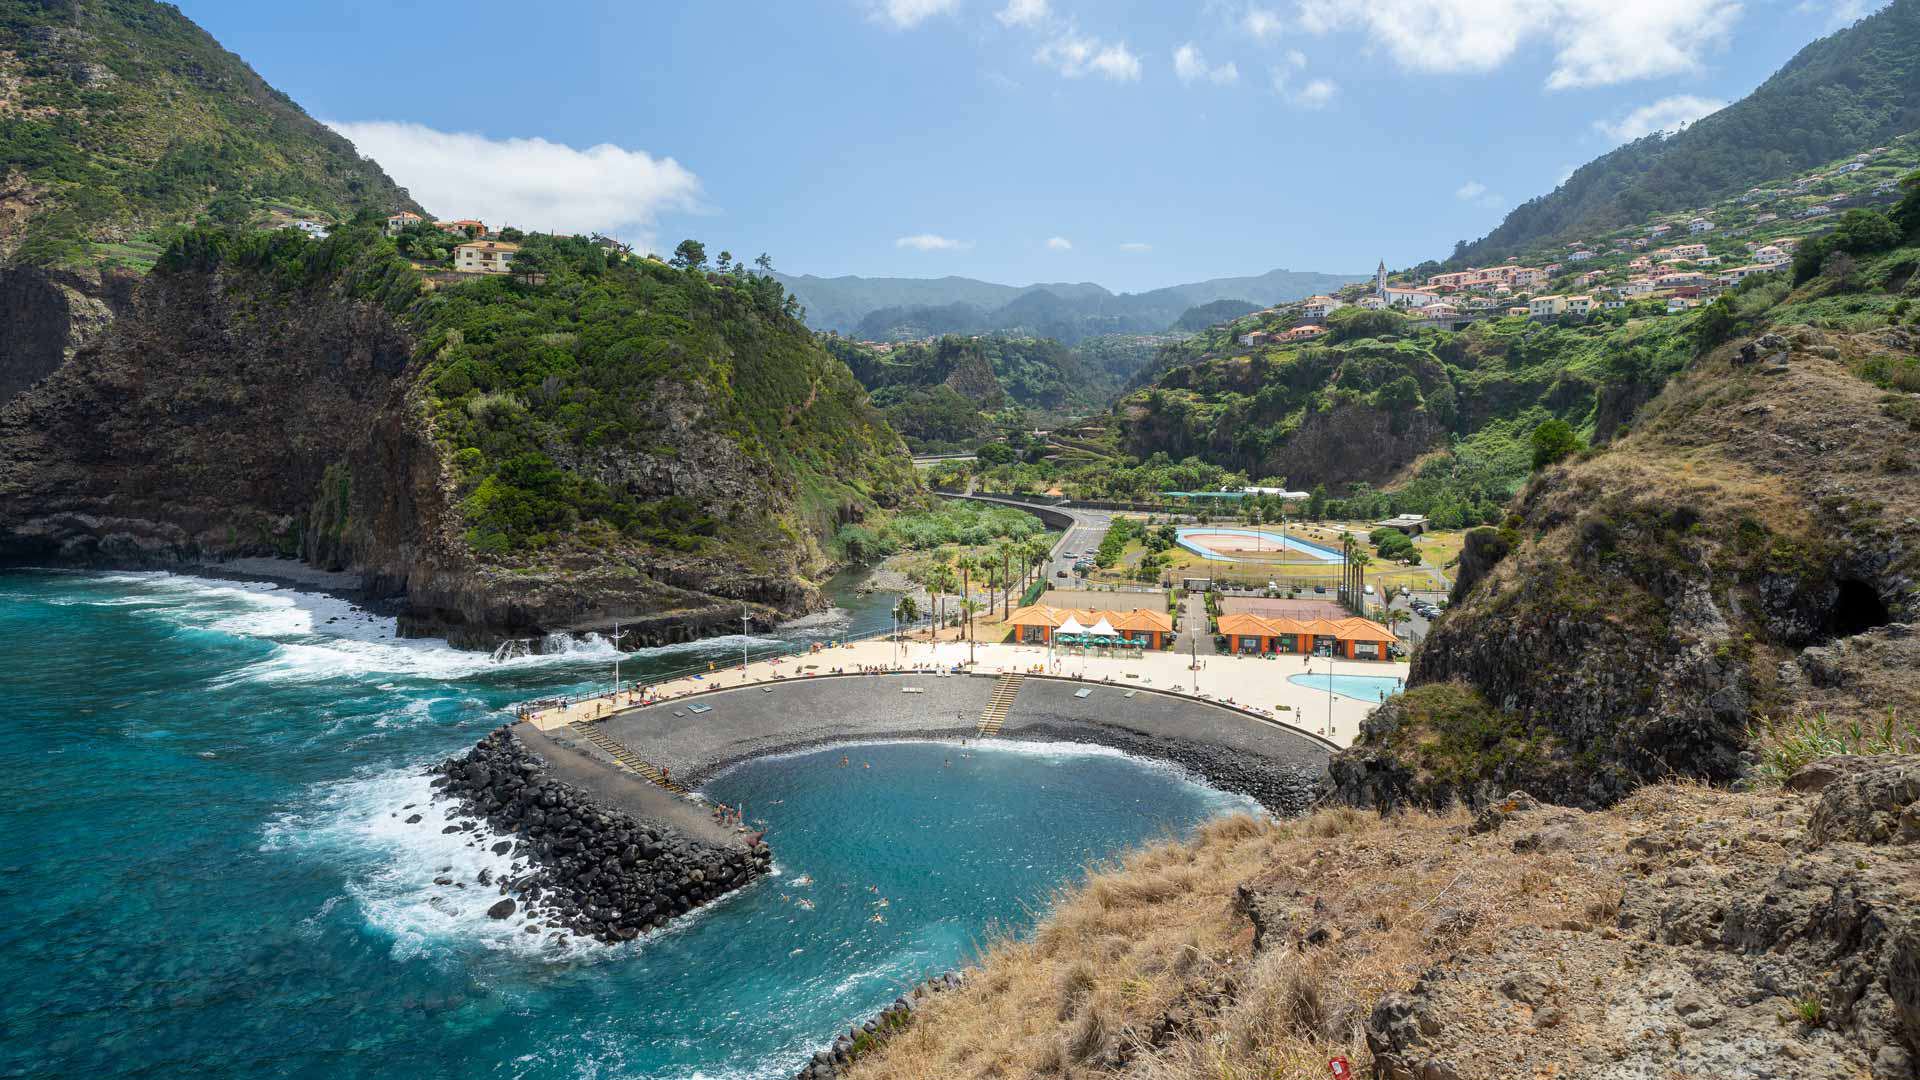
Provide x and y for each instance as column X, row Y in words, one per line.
column 1255, row 684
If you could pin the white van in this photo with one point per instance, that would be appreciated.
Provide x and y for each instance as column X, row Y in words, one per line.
column 1369, row 590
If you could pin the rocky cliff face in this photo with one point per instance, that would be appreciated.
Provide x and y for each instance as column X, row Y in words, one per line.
column 46, row 315
column 1748, row 551
column 274, row 400
column 198, row 428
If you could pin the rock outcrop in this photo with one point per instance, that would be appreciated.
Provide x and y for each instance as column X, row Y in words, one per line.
column 1781, row 939
column 46, row 315
column 268, row 396
column 1748, row 551
column 592, row 870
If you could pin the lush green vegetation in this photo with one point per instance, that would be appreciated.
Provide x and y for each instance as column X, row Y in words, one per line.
column 951, row 522
column 136, row 122
column 953, row 392
column 1845, row 93
column 1201, row 316
column 558, row 394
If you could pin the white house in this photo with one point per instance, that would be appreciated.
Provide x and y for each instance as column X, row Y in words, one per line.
column 1579, row 305
column 1699, row 225
column 1541, row 307
column 399, row 221
column 1613, row 303
column 1579, row 256
column 1769, row 255
column 312, row 228
column 1398, row 295
column 1371, row 303
column 1319, row 307
column 484, row 256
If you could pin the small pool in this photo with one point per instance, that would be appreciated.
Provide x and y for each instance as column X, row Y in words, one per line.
column 1360, row 687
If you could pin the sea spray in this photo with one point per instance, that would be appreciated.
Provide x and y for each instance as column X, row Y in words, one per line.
column 592, row 870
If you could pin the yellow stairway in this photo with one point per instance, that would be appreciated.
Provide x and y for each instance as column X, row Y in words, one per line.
column 592, row 733
column 1004, row 692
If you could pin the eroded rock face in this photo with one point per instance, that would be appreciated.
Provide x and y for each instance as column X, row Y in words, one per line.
column 1744, row 552
column 1764, row 938
column 592, row 870
column 46, row 315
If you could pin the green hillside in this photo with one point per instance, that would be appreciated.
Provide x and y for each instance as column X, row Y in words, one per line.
column 905, row 309
column 1854, row 90
column 120, row 121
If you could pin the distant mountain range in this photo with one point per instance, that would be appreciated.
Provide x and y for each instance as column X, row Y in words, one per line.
column 900, row 308
column 1842, row 94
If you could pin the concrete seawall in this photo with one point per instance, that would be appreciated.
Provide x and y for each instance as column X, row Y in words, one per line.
column 1229, row 749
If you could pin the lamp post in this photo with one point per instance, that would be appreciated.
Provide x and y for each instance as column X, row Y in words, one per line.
column 743, row 644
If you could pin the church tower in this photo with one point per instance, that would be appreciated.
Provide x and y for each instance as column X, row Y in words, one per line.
column 1380, row 280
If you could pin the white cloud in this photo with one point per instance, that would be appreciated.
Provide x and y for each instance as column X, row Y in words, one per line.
column 1312, row 94
column 1296, row 58
column 1059, row 243
column 1074, row 56
column 1135, row 247
column 1316, row 94
column 907, row 14
column 1191, row 66
column 1667, row 114
column 931, row 242
column 1263, row 23
column 528, row 183
column 1594, row 42
column 1023, row 13
column 1475, row 192
column 1840, row 12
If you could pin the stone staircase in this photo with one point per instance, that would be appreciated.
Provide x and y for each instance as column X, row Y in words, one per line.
column 600, row 739
column 995, row 714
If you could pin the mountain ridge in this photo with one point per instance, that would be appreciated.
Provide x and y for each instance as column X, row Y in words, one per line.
column 898, row 307
column 1842, row 93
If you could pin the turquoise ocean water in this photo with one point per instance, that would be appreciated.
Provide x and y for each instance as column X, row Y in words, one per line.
column 203, row 870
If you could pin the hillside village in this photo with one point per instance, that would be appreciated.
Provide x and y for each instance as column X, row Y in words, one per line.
column 1670, row 264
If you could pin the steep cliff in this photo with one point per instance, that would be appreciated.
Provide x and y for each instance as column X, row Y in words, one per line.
column 1748, row 552
column 620, row 440
column 45, row 315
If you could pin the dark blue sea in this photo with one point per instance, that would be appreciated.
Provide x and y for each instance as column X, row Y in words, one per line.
column 204, row 871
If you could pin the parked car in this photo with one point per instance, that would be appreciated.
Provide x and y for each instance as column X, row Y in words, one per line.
column 1059, row 573
column 1369, row 590
column 1320, row 588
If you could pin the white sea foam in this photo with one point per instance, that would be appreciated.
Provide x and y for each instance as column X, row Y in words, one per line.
column 390, row 866
column 318, row 636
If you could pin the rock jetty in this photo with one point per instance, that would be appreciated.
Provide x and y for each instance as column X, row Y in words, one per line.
column 850, row 1044
column 591, row 870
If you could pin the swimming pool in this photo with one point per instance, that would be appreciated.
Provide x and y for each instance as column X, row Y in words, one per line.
column 1192, row 539
column 1359, row 687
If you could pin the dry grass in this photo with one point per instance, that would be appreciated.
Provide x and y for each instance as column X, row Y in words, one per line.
column 1148, row 968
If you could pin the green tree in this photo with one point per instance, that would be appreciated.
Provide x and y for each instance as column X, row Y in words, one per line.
column 690, row 255
column 1864, row 232
column 1553, row 441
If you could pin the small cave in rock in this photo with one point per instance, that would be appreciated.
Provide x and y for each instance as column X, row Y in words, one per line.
column 1857, row 608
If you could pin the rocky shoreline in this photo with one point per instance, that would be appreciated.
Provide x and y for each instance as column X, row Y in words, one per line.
column 850, row 1044
column 589, row 870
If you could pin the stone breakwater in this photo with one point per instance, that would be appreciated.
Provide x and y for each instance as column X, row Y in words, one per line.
column 592, row 870
column 1284, row 789
column 855, row 1041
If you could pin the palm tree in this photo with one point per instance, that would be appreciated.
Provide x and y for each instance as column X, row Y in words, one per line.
column 940, row 582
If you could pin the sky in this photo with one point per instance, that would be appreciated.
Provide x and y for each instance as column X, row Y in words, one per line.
column 1133, row 144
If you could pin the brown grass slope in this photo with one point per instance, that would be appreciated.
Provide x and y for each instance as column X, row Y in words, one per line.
column 1750, row 551
column 1686, row 932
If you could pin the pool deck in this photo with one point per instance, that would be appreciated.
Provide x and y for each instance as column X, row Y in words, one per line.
column 1256, row 685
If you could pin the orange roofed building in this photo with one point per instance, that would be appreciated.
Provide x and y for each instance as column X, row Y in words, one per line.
column 1354, row 638
column 1036, row 624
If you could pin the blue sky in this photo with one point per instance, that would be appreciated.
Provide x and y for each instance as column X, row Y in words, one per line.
column 1129, row 143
